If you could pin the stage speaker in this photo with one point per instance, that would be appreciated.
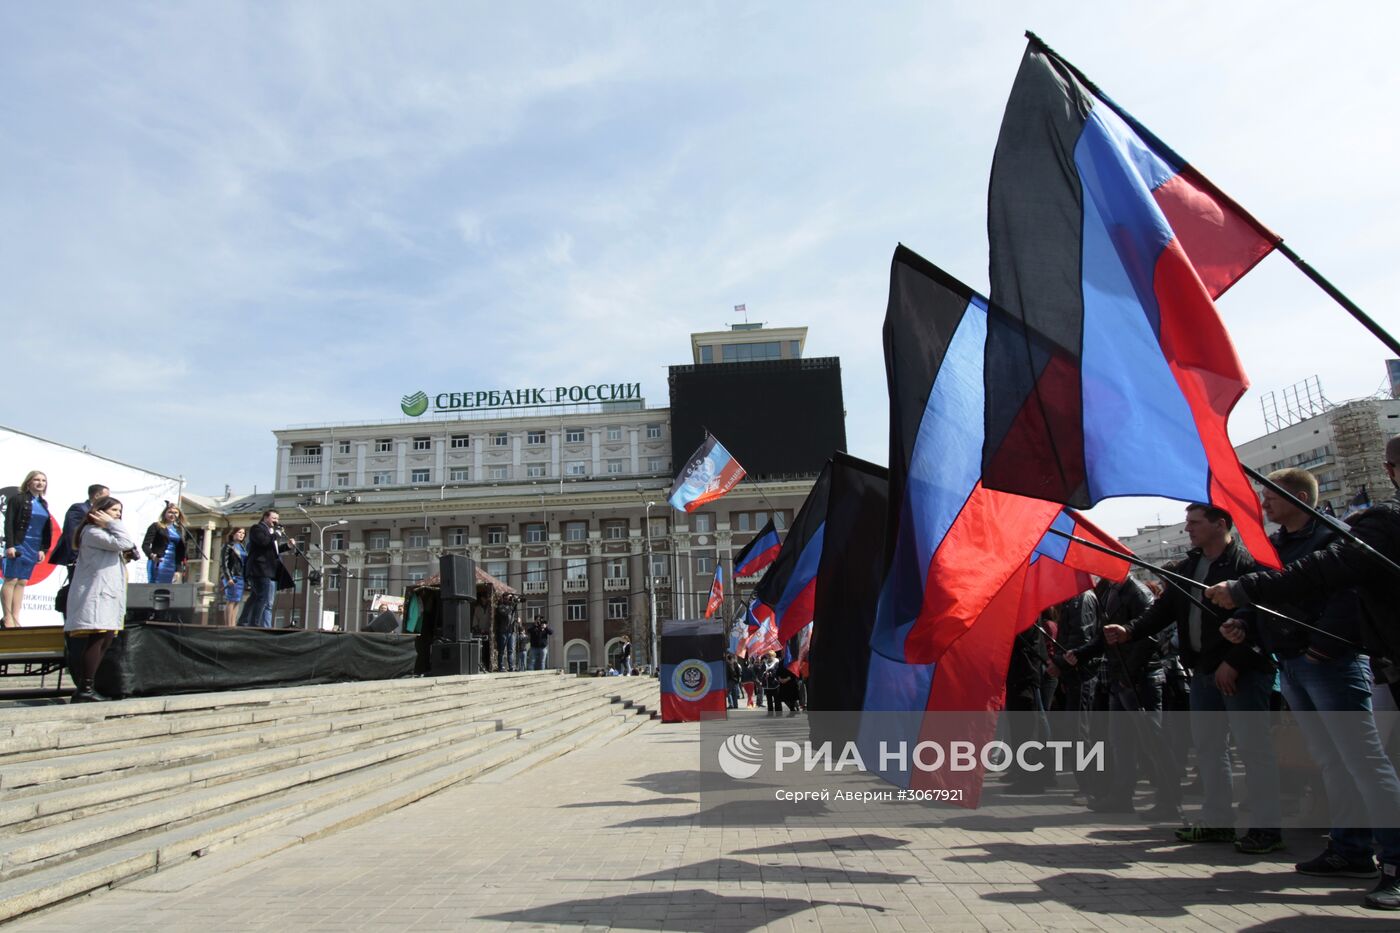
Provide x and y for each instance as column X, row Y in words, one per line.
column 383, row 623
column 458, row 577
column 458, row 657
column 455, row 623
column 162, row 602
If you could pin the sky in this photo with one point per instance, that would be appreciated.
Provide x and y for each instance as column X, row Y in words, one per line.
column 223, row 219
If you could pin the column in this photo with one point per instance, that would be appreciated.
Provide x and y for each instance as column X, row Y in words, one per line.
column 478, row 447
column 637, row 610
column 597, row 605
column 554, row 611
column 326, row 464
column 361, row 451
column 556, row 470
column 635, row 443
column 401, row 460
column 439, row 460
column 597, row 436
column 517, row 441
column 207, row 546
column 515, row 574
column 284, row 465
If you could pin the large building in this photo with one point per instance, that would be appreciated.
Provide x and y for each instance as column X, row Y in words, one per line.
column 558, row 491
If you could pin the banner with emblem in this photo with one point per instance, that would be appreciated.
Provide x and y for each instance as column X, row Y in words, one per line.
column 692, row 670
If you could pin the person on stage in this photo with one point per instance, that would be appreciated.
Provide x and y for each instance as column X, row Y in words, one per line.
column 28, row 537
column 63, row 554
column 97, row 596
column 165, row 546
column 231, row 570
column 263, row 570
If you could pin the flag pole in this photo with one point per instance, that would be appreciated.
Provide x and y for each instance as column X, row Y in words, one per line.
column 1182, row 582
column 1336, row 524
column 1303, row 266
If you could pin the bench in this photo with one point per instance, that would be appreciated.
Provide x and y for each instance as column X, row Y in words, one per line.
column 37, row 651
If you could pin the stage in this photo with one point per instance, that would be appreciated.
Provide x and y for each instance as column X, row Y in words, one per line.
column 158, row 658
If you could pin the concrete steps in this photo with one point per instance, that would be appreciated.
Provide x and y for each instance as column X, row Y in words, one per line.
column 95, row 795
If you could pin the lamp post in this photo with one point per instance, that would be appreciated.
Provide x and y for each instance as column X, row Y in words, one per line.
column 651, row 596
column 321, row 544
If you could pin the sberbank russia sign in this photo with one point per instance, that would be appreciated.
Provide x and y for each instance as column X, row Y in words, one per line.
column 418, row 403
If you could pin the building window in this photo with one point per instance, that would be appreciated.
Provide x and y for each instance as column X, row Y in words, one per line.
column 739, row 352
column 500, row 439
column 656, row 464
column 535, row 571
column 343, row 447
column 417, row 576
column 377, row 580
column 653, row 431
column 419, row 476
column 497, row 568
column 794, row 349
column 460, row 474
column 614, row 433
column 342, row 480
column 657, row 528
column 417, row 539
column 377, row 540
column 614, row 531
column 384, row 445
column 496, row 534
column 382, row 478
column 534, row 437
column 704, row 563
column 576, row 468
column 306, row 482
column 702, row 522
column 577, row 660
column 576, row 610
column 576, row 531
column 614, row 467
column 422, row 443
column 617, row 607
column 457, row 537
column 660, row 565
column 333, row 581
column 576, row 568
column 312, row 450
column 617, row 568
column 337, row 541
column 573, row 436
column 498, row 472
column 536, row 470
column 461, row 441
column 707, row 354
column 535, row 533
column 780, row 520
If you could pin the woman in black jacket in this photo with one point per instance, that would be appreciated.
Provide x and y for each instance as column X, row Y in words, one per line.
column 165, row 547
column 231, row 564
column 28, row 538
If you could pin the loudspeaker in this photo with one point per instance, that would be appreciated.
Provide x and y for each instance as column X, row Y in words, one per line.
column 463, row 657
column 162, row 602
column 458, row 577
column 385, row 623
column 455, row 623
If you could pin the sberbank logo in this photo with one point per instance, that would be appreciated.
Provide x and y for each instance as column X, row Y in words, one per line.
column 415, row 404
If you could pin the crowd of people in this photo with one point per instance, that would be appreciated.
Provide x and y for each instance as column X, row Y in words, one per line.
column 1227, row 643
column 750, row 682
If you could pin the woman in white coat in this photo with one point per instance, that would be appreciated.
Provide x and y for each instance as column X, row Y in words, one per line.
column 97, row 595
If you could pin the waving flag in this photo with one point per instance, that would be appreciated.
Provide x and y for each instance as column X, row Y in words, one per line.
column 708, row 474
column 758, row 553
column 787, row 592
column 1060, row 569
column 1110, row 372
column 716, row 591
column 762, row 639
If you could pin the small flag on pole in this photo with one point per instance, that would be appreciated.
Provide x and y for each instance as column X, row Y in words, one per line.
column 707, row 475
column 758, row 553
column 716, row 591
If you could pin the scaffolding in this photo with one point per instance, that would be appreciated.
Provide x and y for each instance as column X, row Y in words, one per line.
column 1360, row 446
column 1301, row 401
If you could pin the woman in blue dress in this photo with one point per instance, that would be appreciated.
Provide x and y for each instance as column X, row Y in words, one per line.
column 28, row 537
column 164, row 546
column 235, row 558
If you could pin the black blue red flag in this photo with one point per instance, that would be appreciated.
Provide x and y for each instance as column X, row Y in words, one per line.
column 716, row 600
column 786, row 594
column 758, row 553
column 709, row 473
column 1108, row 370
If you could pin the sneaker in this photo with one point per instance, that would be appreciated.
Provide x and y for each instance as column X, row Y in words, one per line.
column 1332, row 864
column 1386, row 894
column 1259, row 842
column 1199, row 833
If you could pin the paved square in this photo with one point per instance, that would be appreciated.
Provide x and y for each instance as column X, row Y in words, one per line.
column 607, row 838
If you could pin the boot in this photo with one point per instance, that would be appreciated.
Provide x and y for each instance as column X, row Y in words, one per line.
column 84, row 693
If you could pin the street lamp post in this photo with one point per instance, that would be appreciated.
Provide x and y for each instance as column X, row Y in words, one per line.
column 651, row 596
column 321, row 544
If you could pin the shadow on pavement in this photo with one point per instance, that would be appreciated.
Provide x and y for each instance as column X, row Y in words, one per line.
column 673, row 910
column 869, row 843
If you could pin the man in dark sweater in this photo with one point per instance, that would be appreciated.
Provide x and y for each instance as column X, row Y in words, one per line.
column 1230, row 687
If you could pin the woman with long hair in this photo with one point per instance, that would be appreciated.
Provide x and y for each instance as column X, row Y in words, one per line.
column 28, row 537
column 231, row 581
column 164, row 546
column 97, row 595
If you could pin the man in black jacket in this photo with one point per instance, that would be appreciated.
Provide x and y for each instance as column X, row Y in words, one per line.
column 1078, row 626
column 1328, row 681
column 1230, row 687
column 63, row 554
column 265, row 546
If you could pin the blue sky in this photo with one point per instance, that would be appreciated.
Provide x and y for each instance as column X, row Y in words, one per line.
column 220, row 219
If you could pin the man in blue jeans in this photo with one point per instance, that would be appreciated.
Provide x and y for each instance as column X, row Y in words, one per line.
column 539, row 643
column 1327, row 683
column 265, row 546
column 1230, row 687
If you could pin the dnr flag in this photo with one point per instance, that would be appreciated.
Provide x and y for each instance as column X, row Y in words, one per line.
column 787, row 593
column 758, row 553
column 716, row 591
column 1108, row 370
column 708, row 474
column 692, row 670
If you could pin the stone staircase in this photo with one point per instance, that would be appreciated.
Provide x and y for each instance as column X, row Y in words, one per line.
column 101, row 794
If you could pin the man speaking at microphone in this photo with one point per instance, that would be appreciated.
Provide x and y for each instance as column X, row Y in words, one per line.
column 264, row 571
